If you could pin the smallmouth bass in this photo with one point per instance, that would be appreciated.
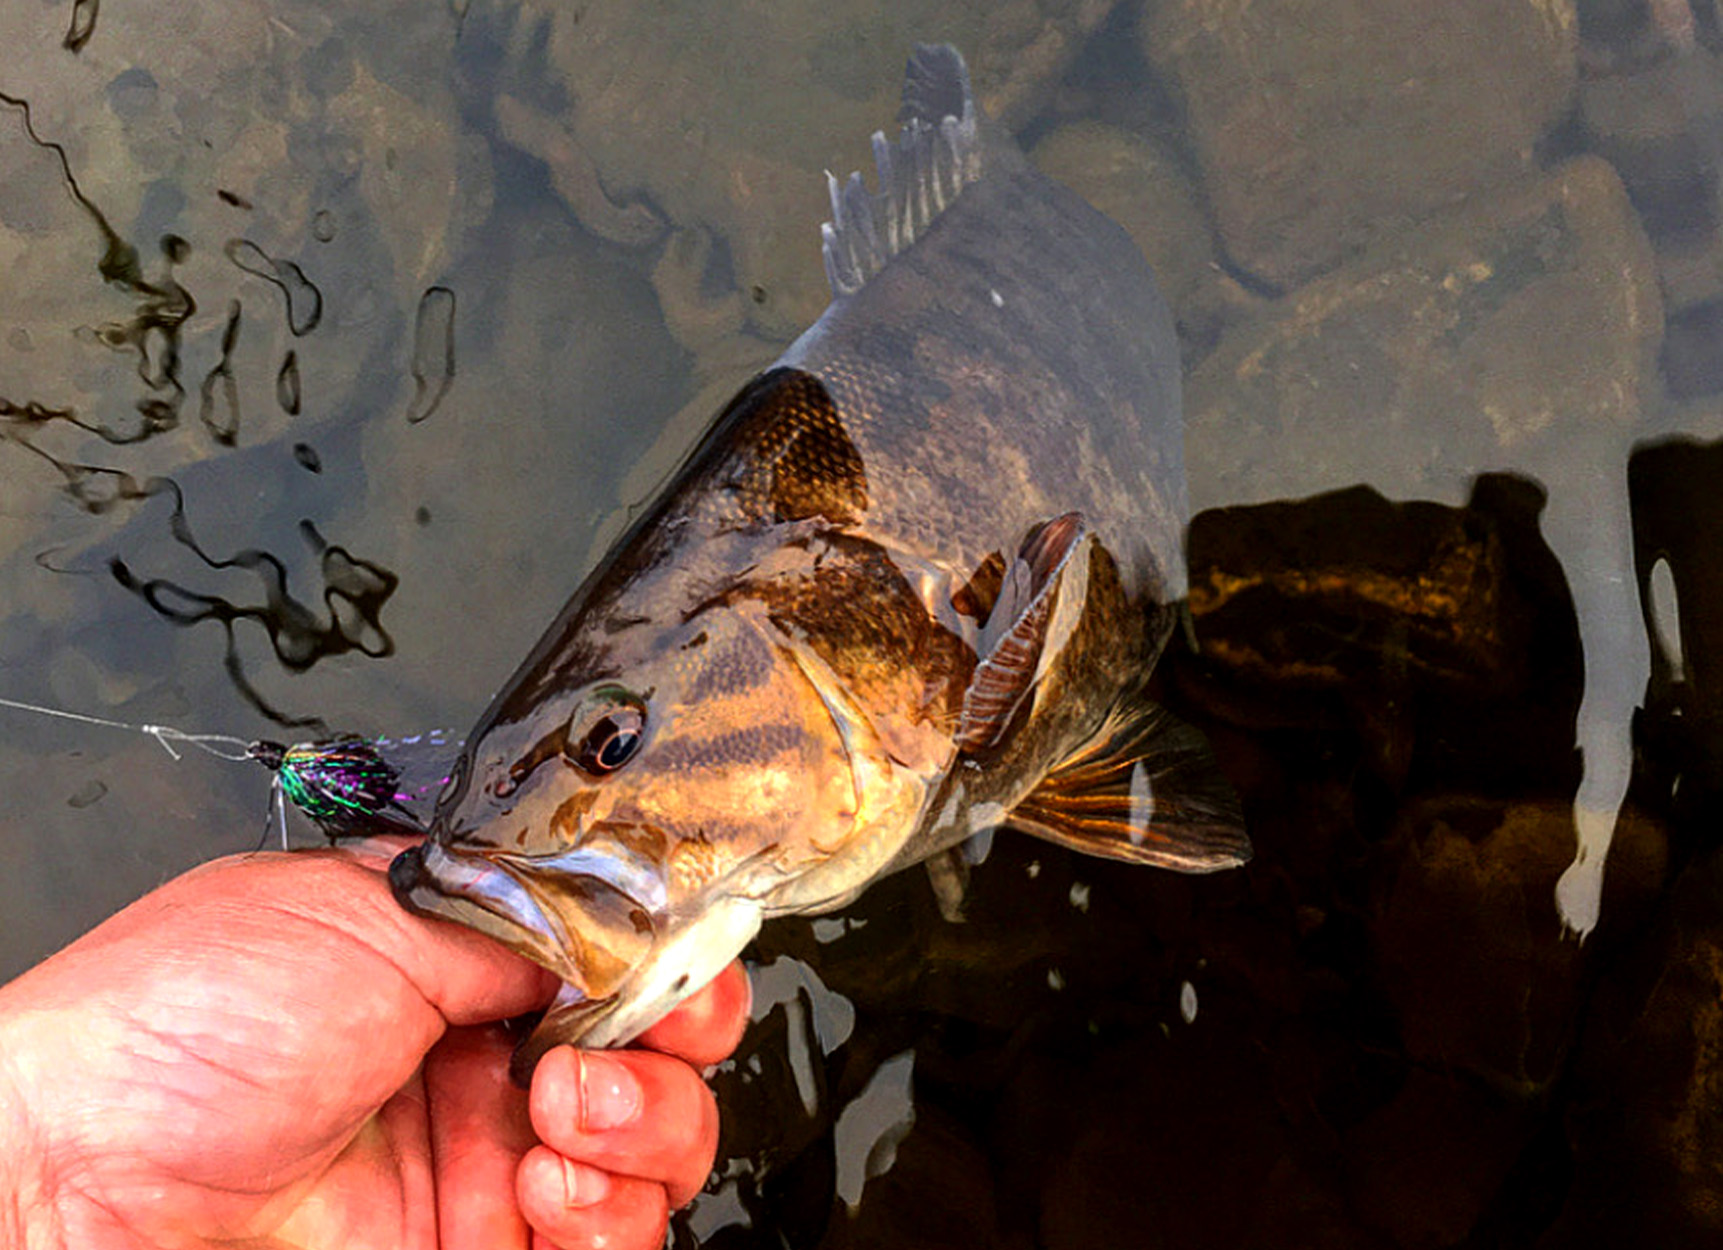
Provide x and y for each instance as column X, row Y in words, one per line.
column 908, row 587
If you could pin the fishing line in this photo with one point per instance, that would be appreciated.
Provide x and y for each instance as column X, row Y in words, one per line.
column 222, row 746
column 345, row 785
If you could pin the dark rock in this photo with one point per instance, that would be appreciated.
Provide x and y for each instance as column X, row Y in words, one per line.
column 1469, row 944
column 1678, row 523
column 1417, row 625
column 1424, row 1167
column 1647, row 1121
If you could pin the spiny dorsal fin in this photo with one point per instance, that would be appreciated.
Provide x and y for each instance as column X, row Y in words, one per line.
column 1147, row 790
column 1010, row 646
column 936, row 156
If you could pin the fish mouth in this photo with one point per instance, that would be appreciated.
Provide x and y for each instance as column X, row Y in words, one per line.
column 492, row 895
column 622, row 968
column 479, row 894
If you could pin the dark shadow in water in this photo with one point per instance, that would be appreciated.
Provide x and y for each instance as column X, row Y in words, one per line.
column 433, row 352
column 1678, row 522
column 82, row 27
column 153, row 331
column 304, row 300
column 354, row 592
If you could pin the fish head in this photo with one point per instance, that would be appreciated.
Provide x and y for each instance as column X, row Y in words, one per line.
column 630, row 829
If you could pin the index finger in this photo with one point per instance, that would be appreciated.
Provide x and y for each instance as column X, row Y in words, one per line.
column 708, row 1024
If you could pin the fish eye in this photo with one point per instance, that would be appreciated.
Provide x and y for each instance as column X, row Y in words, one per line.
column 609, row 740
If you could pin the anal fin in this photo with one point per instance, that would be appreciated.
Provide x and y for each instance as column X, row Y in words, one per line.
column 1146, row 790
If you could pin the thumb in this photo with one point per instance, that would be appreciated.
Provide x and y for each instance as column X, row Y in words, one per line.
column 327, row 914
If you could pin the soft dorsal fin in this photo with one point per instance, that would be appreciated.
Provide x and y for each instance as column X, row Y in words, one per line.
column 936, row 156
column 1009, row 649
column 1146, row 790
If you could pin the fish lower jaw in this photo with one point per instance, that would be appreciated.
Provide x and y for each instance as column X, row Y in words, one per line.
column 682, row 962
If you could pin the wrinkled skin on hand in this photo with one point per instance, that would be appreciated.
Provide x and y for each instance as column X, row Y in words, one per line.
column 269, row 1051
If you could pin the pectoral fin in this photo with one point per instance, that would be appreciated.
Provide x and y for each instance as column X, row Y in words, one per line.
column 1012, row 641
column 1146, row 790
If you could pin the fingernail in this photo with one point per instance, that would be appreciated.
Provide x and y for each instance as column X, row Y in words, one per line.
column 583, row 1186
column 609, row 1094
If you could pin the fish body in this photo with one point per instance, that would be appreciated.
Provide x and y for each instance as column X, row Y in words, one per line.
column 907, row 587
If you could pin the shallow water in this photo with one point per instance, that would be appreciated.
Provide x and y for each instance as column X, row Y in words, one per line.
column 338, row 340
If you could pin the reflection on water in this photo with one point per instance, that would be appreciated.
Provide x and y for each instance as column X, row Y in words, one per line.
column 345, row 339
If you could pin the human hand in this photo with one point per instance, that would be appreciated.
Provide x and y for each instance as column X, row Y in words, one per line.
column 269, row 1050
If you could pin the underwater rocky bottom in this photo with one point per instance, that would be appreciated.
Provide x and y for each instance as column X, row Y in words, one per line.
column 1376, row 1035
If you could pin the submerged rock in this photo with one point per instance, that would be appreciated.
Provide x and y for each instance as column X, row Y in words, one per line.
column 1138, row 183
column 1437, row 634
column 1319, row 126
column 1469, row 945
column 618, row 100
column 1520, row 331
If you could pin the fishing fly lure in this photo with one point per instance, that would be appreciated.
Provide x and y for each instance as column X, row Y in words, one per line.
column 345, row 785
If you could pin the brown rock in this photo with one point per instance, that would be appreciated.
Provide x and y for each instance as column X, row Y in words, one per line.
column 1316, row 122
column 1517, row 332
column 1330, row 592
column 1652, row 125
column 1137, row 183
column 1441, row 638
column 634, row 124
